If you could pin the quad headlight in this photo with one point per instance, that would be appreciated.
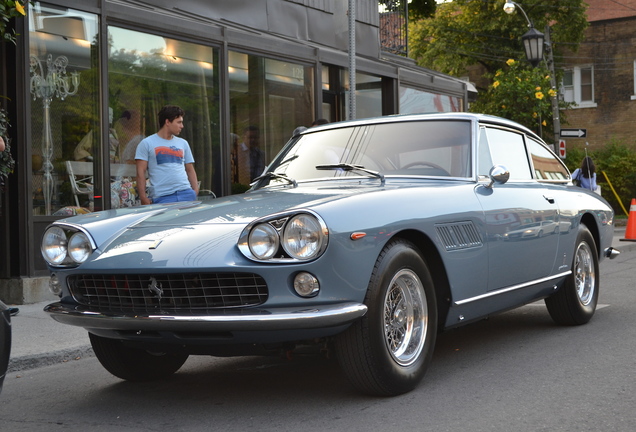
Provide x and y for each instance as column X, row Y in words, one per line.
column 282, row 238
column 65, row 246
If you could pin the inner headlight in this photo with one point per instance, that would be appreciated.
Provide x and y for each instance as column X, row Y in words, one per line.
column 54, row 245
column 303, row 237
column 263, row 241
column 79, row 247
column 285, row 238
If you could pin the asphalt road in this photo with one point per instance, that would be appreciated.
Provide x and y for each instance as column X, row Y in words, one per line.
column 513, row 372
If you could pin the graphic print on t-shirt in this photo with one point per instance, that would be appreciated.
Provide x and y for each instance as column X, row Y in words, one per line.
column 168, row 155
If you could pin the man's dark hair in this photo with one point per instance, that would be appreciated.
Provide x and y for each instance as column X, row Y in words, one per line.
column 252, row 128
column 169, row 112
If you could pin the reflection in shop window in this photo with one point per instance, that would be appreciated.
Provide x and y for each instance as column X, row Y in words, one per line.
column 146, row 72
column 414, row 101
column 269, row 98
column 65, row 100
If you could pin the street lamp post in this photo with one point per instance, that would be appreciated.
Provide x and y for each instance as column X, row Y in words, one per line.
column 533, row 43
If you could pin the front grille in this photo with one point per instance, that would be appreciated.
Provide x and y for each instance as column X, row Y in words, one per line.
column 169, row 291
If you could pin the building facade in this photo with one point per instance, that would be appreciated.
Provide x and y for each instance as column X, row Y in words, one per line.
column 600, row 78
column 86, row 79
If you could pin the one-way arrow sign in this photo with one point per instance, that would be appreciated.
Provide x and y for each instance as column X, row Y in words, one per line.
column 573, row 133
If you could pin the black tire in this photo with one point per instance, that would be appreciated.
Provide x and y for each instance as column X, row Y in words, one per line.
column 133, row 364
column 388, row 351
column 575, row 302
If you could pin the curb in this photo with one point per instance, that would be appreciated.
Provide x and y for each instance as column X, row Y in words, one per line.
column 29, row 362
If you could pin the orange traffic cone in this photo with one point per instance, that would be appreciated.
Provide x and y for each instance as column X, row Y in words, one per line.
column 630, row 231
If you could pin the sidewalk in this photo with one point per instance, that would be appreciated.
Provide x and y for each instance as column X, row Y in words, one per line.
column 40, row 341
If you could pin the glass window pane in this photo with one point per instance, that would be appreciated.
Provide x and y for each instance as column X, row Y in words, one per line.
column 413, row 101
column 546, row 165
column 64, row 76
column 269, row 98
column 427, row 148
column 368, row 94
column 146, row 72
column 507, row 149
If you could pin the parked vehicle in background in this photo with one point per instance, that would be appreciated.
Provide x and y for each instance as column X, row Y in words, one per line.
column 367, row 237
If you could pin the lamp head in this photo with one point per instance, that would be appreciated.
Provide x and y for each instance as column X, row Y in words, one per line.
column 509, row 7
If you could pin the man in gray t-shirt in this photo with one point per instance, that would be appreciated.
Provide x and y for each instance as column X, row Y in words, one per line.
column 168, row 160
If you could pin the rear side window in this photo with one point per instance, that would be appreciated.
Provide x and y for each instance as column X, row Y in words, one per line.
column 546, row 165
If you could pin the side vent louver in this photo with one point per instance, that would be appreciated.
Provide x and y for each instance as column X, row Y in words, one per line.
column 458, row 235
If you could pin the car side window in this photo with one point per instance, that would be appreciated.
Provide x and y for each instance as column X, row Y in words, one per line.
column 547, row 166
column 484, row 164
column 507, row 148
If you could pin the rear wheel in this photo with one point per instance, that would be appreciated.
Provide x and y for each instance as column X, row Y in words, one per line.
column 575, row 302
column 388, row 351
column 134, row 364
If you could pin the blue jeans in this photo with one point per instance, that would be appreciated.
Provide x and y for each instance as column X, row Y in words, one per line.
column 182, row 195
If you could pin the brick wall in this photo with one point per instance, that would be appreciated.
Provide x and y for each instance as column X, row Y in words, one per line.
column 610, row 46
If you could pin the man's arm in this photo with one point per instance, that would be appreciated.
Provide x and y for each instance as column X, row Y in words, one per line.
column 192, row 177
column 142, row 166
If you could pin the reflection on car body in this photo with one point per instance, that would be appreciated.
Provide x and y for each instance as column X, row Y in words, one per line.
column 364, row 237
column 533, row 229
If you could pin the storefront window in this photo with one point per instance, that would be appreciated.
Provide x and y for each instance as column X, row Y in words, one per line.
column 146, row 72
column 368, row 94
column 65, row 99
column 268, row 99
column 413, row 101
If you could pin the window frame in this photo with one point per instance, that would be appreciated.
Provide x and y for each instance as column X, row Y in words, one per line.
column 576, row 88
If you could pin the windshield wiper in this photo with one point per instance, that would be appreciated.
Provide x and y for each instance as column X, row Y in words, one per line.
column 274, row 175
column 351, row 167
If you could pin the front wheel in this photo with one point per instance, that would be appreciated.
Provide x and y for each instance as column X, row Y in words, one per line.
column 575, row 302
column 388, row 351
column 134, row 364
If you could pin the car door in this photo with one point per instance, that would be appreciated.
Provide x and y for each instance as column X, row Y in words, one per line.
column 520, row 248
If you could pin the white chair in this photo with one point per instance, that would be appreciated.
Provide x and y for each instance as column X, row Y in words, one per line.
column 80, row 175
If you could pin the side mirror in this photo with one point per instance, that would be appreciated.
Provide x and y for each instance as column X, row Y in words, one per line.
column 498, row 174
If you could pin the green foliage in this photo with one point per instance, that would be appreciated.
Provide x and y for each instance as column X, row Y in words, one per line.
column 7, row 164
column 521, row 94
column 466, row 32
column 417, row 8
column 10, row 9
column 617, row 160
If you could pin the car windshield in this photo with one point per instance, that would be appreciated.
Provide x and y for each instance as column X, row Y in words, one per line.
column 423, row 148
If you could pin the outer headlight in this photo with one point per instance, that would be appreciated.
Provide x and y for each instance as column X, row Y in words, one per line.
column 64, row 245
column 303, row 237
column 79, row 247
column 54, row 245
column 263, row 241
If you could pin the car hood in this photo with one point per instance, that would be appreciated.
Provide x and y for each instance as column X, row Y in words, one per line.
column 193, row 232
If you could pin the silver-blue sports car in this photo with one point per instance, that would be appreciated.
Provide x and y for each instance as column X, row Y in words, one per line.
column 367, row 237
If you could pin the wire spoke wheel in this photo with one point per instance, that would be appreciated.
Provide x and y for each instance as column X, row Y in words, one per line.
column 584, row 274
column 575, row 301
column 405, row 317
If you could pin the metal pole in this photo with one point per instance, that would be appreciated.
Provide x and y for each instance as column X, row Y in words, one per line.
column 556, row 121
column 352, row 60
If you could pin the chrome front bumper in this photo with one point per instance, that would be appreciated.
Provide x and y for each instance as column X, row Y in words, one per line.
column 323, row 316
